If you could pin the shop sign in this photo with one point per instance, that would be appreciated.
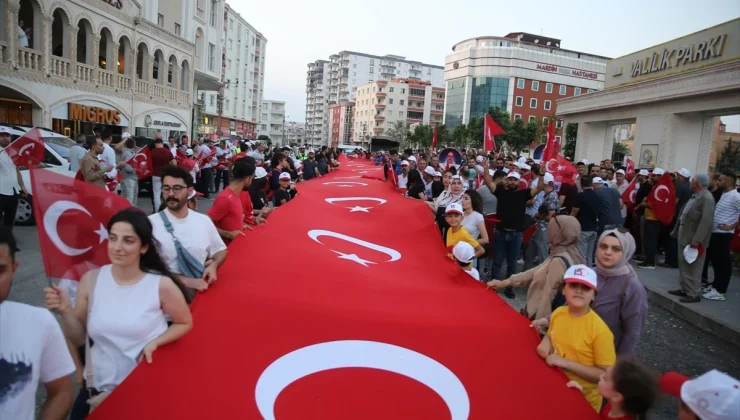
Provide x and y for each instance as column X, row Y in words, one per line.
column 681, row 56
column 118, row 4
column 567, row 71
column 94, row 114
column 148, row 122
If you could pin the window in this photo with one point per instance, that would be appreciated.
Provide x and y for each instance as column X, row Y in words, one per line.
column 229, row 64
column 160, row 19
column 544, row 121
column 214, row 13
column 559, row 124
column 557, row 138
column 231, row 24
column 532, row 118
column 231, row 44
column 390, row 100
column 372, row 69
column 590, row 90
column 213, row 100
column 519, row 100
column 416, row 115
column 535, row 85
column 517, row 116
column 520, row 84
column 578, row 91
column 211, row 57
column 563, row 88
column 548, row 88
column 401, row 102
column 354, row 66
column 548, row 104
column 403, row 90
column 533, row 103
column 178, row 29
column 391, row 90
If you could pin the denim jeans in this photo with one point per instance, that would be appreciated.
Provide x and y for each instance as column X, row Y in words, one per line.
column 130, row 189
column 506, row 244
column 157, row 192
column 587, row 245
column 539, row 249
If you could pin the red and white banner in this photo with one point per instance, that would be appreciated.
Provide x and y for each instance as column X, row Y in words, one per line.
column 27, row 150
column 360, row 316
column 628, row 196
column 662, row 199
column 552, row 147
column 630, row 169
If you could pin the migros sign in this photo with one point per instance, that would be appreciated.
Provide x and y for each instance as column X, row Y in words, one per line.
column 94, row 114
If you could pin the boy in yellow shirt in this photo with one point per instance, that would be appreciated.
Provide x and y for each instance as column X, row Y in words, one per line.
column 456, row 232
column 578, row 340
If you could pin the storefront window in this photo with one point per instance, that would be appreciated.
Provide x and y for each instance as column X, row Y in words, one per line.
column 455, row 103
column 16, row 113
column 486, row 92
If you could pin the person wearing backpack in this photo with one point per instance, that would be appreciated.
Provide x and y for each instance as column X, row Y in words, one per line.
column 545, row 280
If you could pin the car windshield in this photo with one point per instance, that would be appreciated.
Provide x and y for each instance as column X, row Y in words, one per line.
column 61, row 145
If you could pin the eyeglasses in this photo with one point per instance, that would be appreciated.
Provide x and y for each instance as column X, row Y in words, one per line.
column 177, row 189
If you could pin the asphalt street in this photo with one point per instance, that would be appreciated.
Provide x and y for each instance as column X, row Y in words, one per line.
column 667, row 343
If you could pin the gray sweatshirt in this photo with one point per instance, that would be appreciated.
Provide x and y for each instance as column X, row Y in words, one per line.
column 626, row 316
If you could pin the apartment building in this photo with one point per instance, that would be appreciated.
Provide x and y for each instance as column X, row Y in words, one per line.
column 317, row 102
column 272, row 121
column 235, row 108
column 341, row 123
column 295, row 132
column 116, row 65
column 380, row 104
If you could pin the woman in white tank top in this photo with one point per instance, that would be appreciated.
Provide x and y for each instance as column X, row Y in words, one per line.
column 131, row 299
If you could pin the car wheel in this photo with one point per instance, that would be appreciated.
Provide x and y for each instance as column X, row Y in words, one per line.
column 24, row 214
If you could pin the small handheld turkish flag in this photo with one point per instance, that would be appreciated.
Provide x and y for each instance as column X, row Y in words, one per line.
column 434, row 138
column 561, row 169
column 662, row 199
column 185, row 162
column 205, row 158
column 490, row 129
column 628, row 196
column 141, row 162
column 72, row 216
column 552, row 146
column 27, row 149
column 630, row 172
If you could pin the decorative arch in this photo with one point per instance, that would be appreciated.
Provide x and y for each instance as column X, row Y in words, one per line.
column 142, row 61
column 60, row 31
column 199, row 37
column 159, row 67
column 60, row 5
column 85, row 40
column 98, row 98
column 106, row 56
column 124, row 54
column 25, row 92
column 32, row 13
column 185, row 75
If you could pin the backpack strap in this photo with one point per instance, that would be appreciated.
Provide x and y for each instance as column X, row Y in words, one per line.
column 167, row 224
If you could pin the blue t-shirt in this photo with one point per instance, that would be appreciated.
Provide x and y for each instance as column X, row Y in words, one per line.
column 309, row 167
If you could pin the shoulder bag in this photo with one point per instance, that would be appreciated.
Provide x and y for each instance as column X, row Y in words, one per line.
column 189, row 266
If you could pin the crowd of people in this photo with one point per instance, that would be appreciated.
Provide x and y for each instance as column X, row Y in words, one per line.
column 583, row 294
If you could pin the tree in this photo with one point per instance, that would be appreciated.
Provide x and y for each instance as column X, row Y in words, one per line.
column 444, row 136
column 474, row 137
column 517, row 136
column 531, row 133
column 459, row 136
column 729, row 158
column 421, row 136
column 263, row 137
column 399, row 131
column 571, row 135
column 619, row 151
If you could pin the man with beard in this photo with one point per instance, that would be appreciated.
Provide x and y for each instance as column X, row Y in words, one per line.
column 508, row 238
column 11, row 183
column 227, row 211
column 195, row 233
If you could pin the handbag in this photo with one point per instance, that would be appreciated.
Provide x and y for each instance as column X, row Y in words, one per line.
column 189, row 266
column 95, row 397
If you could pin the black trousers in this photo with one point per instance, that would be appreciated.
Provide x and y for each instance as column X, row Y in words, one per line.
column 652, row 231
column 80, row 407
column 206, row 175
column 8, row 207
column 721, row 258
column 222, row 174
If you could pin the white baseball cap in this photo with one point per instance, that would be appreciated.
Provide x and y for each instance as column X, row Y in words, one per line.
column 491, row 172
column 579, row 273
column 454, row 208
column 658, row 171
column 405, row 163
column 259, row 172
column 283, row 176
column 644, row 172
column 479, row 159
column 463, row 252
column 437, row 174
column 429, row 171
column 620, row 171
column 597, row 180
column 684, row 173
column 713, row 395
column 525, row 167
column 412, row 158
column 189, row 152
column 125, row 135
column 514, row 175
column 4, row 129
column 548, row 178
column 583, row 161
column 522, row 160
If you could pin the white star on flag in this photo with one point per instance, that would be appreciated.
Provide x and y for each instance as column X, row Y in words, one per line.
column 358, row 208
column 102, row 233
column 353, row 257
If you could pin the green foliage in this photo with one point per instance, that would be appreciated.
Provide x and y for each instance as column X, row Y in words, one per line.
column 517, row 136
column 619, row 151
column 444, row 136
column 569, row 148
column 399, row 131
column 263, row 137
column 729, row 158
column 421, row 136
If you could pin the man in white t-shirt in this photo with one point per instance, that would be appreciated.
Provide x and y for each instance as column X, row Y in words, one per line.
column 32, row 348
column 195, row 231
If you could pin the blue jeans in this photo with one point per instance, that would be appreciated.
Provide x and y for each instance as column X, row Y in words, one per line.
column 506, row 245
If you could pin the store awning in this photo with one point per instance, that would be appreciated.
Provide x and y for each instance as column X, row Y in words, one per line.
column 206, row 81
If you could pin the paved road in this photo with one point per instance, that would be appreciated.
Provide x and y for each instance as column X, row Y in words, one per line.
column 667, row 344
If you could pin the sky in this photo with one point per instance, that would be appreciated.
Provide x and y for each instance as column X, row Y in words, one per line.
column 299, row 32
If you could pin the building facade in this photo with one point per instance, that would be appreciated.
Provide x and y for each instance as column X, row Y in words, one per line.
column 272, row 121
column 317, row 102
column 295, row 132
column 673, row 93
column 82, row 65
column 522, row 73
column 235, row 108
column 341, row 123
column 379, row 105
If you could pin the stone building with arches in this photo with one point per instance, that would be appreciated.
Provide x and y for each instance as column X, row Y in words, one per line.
column 74, row 65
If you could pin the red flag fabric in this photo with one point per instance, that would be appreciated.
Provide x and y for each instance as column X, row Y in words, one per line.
column 552, row 147
column 630, row 169
column 490, row 129
column 434, row 138
column 662, row 199
column 183, row 161
column 205, row 158
column 141, row 162
column 71, row 217
column 628, row 196
column 395, row 331
column 27, row 149
column 561, row 169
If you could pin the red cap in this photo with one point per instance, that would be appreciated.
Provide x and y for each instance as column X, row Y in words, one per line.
column 671, row 383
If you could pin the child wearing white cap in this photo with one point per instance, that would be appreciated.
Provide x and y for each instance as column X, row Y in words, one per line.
column 578, row 340
column 464, row 254
column 456, row 232
column 711, row 396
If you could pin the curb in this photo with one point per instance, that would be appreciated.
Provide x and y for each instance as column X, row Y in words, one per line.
column 704, row 322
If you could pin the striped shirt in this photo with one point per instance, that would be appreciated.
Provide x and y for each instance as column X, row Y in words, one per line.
column 727, row 211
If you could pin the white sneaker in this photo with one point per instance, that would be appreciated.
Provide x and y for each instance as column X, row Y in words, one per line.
column 714, row 295
column 707, row 289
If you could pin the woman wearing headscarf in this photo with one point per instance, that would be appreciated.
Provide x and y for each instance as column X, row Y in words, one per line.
column 546, row 280
column 621, row 300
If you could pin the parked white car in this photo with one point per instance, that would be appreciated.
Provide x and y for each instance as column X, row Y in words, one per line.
column 55, row 159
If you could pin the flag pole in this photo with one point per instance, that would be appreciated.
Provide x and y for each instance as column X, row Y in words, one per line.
column 36, row 210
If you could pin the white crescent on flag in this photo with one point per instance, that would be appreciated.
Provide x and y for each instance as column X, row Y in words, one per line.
column 394, row 255
column 51, row 219
column 657, row 196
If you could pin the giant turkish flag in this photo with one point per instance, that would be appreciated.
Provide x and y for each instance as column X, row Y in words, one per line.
column 662, row 199
column 72, row 218
column 360, row 315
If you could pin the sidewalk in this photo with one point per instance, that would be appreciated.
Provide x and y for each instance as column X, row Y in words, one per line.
column 719, row 318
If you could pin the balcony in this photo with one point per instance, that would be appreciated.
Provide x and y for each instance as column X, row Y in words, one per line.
column 254, row 103
column 380, row 94
column 256, row 86
column 378, row 130
column 437, row 111
column 387, row 73
column 379, row 117
column 256, row 69
column 381, row 83
column 257, row 52
column 379, row 106
column 415, row 109
column 438, row 100
column 416, row 98
column 414, row 120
